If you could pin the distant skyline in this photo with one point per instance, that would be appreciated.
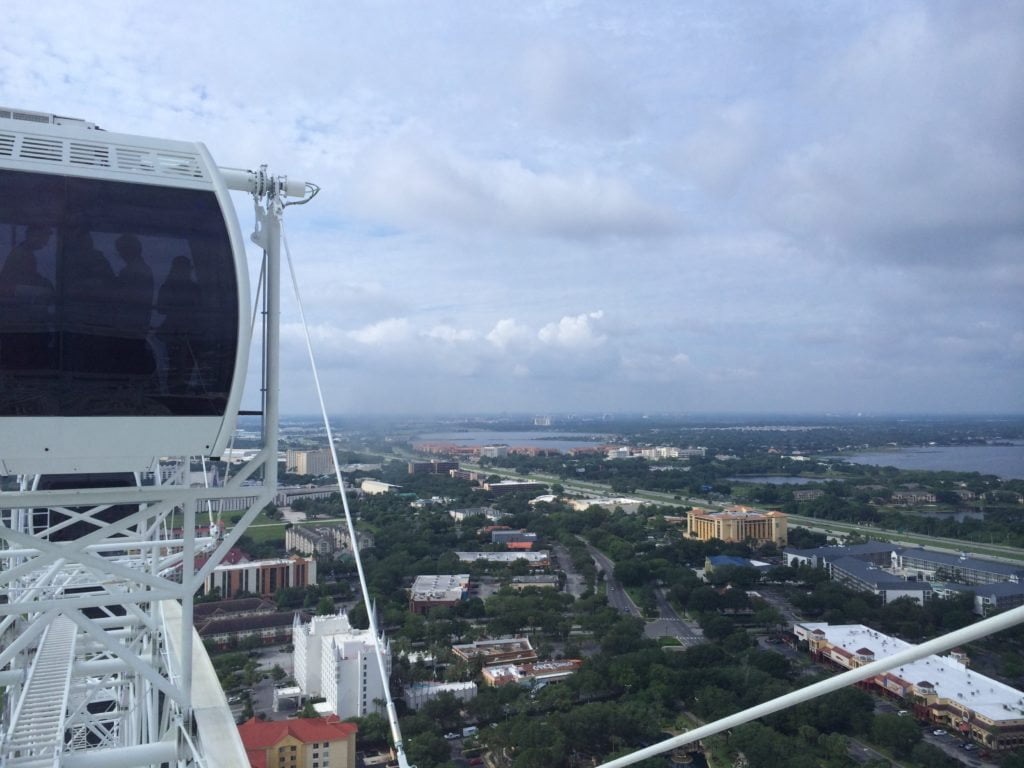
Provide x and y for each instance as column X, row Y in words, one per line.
column 561, row 206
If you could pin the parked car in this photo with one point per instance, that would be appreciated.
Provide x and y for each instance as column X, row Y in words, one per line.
column 938, row 732
column 451, row 736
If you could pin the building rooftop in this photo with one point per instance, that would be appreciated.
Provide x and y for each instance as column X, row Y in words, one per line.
column 261, row 734
column 505, row 557
column 878, row 577
column 950, row 678
column 440, row 587
column 962, row 561
column 735, row 513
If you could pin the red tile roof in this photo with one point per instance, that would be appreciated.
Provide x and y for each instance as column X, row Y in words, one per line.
column 263, row 734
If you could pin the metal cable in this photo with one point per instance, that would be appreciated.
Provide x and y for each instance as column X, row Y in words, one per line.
column 396, row 733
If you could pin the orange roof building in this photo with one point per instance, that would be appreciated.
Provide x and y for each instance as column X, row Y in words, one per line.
column 314, row 742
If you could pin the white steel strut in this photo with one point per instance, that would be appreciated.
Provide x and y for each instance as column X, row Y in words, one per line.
column 99, row 662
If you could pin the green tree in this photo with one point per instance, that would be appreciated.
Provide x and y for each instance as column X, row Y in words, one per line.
column 897, row 734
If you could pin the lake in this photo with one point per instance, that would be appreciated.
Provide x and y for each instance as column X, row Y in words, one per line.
column 775, row 479
column 1005, row 461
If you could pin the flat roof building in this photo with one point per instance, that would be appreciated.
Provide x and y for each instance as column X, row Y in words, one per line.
column 514, row 486
column 941, row 687
column 539, row 559
column 441, row 590
column 319, row 462
column 540, row 672
column 502, row 650
column 334, row 660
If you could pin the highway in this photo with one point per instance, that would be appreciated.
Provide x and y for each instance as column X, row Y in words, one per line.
column 834, row 527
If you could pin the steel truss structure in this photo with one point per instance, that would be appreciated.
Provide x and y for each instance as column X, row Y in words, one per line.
column 99, row 662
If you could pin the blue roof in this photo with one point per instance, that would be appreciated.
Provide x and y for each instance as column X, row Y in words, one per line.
column 729, row 560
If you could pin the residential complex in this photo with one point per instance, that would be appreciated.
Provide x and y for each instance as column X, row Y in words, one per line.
column 941, row 688
column 261, row 577
column 314, row 742
column 432, row 467
column 322, row 539
column 737, row 524
column 338, row 662
column 893, row 572
column 225, row 623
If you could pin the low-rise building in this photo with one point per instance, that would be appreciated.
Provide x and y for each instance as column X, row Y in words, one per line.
column 939, row 687
column 418, row 694
column 502, row 650
column 323, row 539
column 492, row 514
column 539, row 559
column 376, row 487
column 627, row 505
column 538, row 581
column 306, row 742
column 227, row 623
column 946, row 566
column 514, row 486
column 432, row 467
column 435, row 591
column 910, row 498
column 536, row 673
column 514, row 539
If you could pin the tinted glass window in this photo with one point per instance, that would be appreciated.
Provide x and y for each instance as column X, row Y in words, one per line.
column 116, row 299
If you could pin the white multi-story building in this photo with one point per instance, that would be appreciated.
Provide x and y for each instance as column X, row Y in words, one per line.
column 319, row 462
column 338, row 662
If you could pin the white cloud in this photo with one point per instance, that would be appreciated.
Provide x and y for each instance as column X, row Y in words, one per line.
column 507, row 332
column 577, row 332
column 386, row 332
column 410, row 181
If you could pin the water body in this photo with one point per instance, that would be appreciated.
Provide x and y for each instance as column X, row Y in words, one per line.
column 774, row 480
column 549, row 440
column 1005, row 461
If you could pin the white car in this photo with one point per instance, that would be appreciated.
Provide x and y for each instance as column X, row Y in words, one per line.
column 938, row 732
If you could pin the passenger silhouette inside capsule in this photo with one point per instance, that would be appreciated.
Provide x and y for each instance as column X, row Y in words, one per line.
column 178, row 301
column 88, row 283
column 27, row 306
column 134, row 301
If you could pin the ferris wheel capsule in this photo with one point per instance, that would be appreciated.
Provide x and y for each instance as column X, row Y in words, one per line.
column 124, row 295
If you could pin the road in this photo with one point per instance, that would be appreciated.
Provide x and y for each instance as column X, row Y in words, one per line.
column 574, row 584
column 671, row 624
column 618, row 598
column 668, row 624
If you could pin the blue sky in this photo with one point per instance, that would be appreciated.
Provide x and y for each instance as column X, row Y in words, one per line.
column 601, row 206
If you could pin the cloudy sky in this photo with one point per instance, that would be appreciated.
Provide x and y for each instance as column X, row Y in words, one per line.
column 601, row 206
